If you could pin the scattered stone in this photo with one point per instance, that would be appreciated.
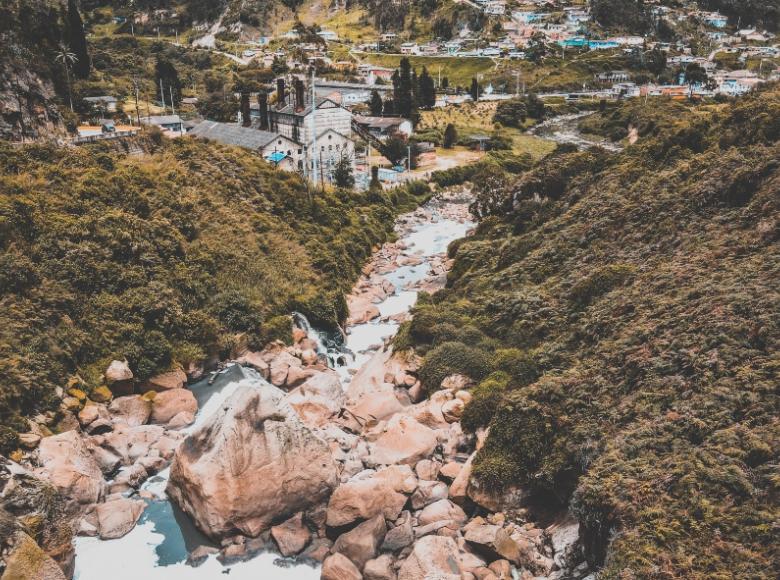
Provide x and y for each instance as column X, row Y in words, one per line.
column 493, row 542
column 29, row 441
column 432, row 557
column 427, row 469
column 380, row 568
column 429, row 492
column 450, row 470
column 119, row 378
column 361, row 544
column 400, row 536
column 171, row 380
column 101, row 394
column 117, row 517
column 168, row 404
column 403, row 441
column 453, row 410
column 339, row 567
column 292, row 536
column 132, row 410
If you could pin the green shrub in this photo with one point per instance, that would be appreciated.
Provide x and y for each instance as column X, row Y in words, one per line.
column 453, row 358
column 486, row 397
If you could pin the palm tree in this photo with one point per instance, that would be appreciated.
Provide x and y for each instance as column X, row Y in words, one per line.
column 64, row 56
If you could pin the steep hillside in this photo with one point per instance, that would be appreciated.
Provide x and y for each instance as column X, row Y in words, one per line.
column 619, row 314
column 164, row 259
column 31, row 79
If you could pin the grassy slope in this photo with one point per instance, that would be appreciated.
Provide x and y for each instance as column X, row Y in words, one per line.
column 162, row 258
column 624, row 327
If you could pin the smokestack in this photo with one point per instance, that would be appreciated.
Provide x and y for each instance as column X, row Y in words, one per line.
column 262, row 100
column 299, row 94
column 281, row 99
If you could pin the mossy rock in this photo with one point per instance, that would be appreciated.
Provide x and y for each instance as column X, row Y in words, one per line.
column 77, row 394
column 102, row 394
column 149, row 396
column 27, row 561
column 71, row 404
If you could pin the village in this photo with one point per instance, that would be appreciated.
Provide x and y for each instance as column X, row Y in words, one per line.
column 330, row 107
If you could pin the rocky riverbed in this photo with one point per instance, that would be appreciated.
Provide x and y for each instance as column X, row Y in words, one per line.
column 290, row 466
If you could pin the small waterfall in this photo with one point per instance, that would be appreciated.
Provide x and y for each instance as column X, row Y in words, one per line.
column 329, row 346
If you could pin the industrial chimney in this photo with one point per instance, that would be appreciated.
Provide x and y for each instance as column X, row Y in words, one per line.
column 281, row 99
column 262, row 100
column 299, row 95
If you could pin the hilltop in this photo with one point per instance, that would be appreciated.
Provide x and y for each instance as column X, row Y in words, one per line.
column 618, row 313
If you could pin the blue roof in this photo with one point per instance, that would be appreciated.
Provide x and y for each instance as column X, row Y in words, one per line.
column 276, row 157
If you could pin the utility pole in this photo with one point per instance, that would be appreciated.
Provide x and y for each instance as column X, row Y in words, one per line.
column 137, row 111
column 517, row 83
column 313, row 127
column 409, row 158
column 173, row 107
column 162, row 96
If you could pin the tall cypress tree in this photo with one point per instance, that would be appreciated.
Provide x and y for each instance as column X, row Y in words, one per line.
column 246, row 111
column 404, row 100
column 426, row 90
column 375, row 104
column 475, row 89
column 77, row 41
column 166, row 71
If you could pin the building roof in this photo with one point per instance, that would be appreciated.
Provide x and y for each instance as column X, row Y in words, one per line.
column 161, row 120
column 379, row 122
column 101, row 99
column 290, row 109
column 233, row 134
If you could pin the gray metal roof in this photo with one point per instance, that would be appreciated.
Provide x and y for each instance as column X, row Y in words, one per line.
column 233, row 134
column 161, row 120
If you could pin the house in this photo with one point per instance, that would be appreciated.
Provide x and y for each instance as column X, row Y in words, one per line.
column 172, row 123
column 494, row 8
column 326, row 126
column 613, row 76
column 410, row 48
column 328, row 35
column 715, row 20
column 105, row 103
column 276, row 149
column 384, row 127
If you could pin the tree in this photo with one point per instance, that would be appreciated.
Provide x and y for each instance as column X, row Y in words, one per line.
column 627, row 15
column 375, row 104
column 388, row 108
column 342, row 174
column 167, row 75
column 426, row 90
column 695, row 75
column 511, row 113
column 537, row 47
column 492, row 193
column 402, row 90
column 78, row 41
column 246, row 112
column 66, row 58
column 445, row 83
column 450, row 136
column 656, row 61
column 475, row 90
column 395, row 150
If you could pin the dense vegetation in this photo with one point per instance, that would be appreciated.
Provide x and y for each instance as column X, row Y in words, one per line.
column 619, row 314
column 163, row 259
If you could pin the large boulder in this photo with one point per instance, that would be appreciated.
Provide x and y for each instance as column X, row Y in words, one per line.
column 132, row 410
column 117, row 517
column 175, row 379
column 432, row 557
column 168, row 404
column 442, row 511
column 131, row 443
column 65, row 461
column 362, row 498
column 250, row 464
column 27, row 501
column 403, row 441
column 25, row 560
column 119, row 378
column 318, row 399
column 361, row 544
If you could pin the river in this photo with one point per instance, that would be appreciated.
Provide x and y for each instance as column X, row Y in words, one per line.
column 564, row 129
column 160, row 544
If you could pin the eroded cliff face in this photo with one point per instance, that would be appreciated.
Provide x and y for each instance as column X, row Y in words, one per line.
column 28, row 109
